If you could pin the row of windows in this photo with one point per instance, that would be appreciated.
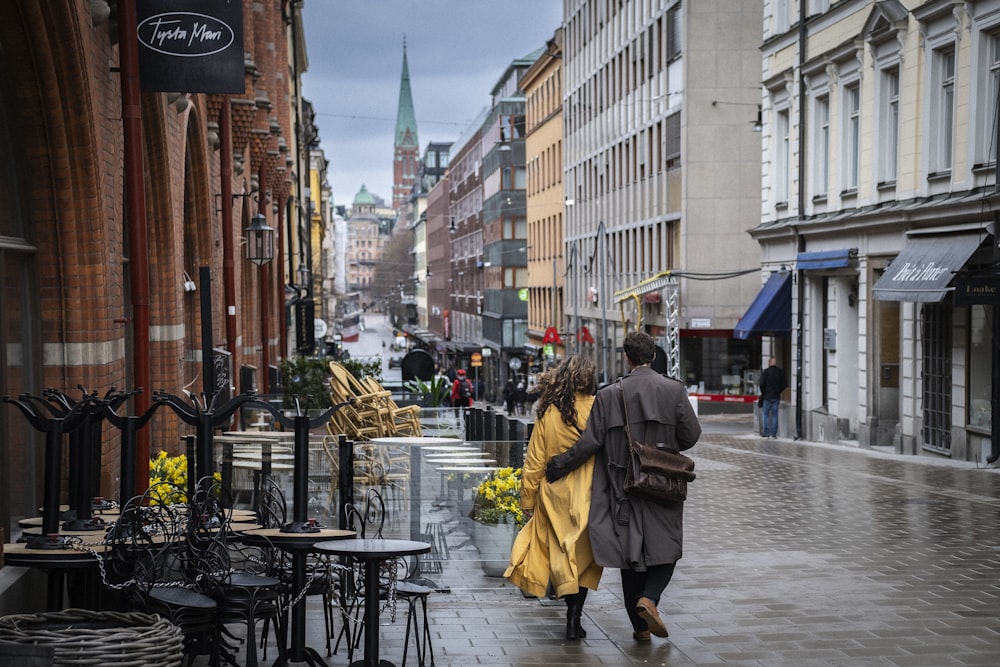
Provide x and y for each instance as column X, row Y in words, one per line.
column 545, row 100
column 651, row 150
column 584, row 26
column 545, row 237
column 545, row 169
column 837, row 118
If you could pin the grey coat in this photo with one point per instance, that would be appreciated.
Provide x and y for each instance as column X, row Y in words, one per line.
column 628, row 532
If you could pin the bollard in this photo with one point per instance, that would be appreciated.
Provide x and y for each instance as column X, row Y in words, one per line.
column 489, row 425
column 501, row 428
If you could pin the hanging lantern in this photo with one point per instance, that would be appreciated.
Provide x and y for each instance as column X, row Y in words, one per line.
column 260, row 241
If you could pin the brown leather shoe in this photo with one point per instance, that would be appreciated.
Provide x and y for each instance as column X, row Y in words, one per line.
column 641, row 635
column 647, row 612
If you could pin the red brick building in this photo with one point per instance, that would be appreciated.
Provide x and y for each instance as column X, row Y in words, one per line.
column 75, row 312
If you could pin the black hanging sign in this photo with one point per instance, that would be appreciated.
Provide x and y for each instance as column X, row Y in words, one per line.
column 191, row 46
column 977, row 289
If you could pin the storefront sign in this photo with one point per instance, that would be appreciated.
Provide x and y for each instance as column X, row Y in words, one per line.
column 190, row 46
column 970, row 290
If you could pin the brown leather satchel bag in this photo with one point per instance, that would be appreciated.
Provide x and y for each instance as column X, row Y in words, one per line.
column 655, row 472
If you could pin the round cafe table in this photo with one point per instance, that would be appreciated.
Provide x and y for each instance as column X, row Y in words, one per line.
column 372, row 552
column 57, row 564
column 298, row 546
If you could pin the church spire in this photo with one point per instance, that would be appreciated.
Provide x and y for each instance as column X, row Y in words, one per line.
column 407, row 146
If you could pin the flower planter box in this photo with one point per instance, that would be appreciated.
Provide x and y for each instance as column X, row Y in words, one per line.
column 494, row 542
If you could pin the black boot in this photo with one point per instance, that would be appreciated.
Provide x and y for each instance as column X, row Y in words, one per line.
column 574, row 610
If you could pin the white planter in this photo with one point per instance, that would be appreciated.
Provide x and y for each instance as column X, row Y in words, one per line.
column 494, row 542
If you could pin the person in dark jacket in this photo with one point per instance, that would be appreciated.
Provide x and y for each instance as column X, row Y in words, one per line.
column 642, row 538
column 508, row 397
column 772, row 383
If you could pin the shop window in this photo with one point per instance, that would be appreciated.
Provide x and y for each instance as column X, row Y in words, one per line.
column 936, row 367
column 980, row 367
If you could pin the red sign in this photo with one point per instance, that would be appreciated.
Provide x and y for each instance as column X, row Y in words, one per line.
column 551, row 336
column 583, row 336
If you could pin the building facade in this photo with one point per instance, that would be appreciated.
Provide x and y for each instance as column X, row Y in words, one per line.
column 546, row 204
column 124, row 211
column 661, row 184
column 505, row 229
column 879, row 198
column 464, row 323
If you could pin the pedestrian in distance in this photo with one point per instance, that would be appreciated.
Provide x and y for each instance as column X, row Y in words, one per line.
column 642, row 538
column 508, row 397
column 772, row 383
column 520, row 397
column 553, row 548
column 461, row 390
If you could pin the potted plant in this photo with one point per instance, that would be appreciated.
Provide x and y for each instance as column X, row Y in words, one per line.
column 497, row 516
column 434, row 391
column 309, row 379
column 168, row 479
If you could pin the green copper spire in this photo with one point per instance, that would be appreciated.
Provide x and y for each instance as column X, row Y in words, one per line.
column 406, row 121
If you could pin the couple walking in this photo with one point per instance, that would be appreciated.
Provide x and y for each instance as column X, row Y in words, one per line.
column 581, row 520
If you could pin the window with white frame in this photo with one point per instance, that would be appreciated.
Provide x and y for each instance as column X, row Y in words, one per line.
column 889, row 131
column 852, row 135
column 989, row 104
column 821, row 146
column 783, row 153
column 782, row 14
column 943, row 109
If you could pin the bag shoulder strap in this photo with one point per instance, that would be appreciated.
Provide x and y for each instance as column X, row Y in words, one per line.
column 628, row 431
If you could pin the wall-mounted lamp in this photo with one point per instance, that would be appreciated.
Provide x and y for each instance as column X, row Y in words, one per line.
column 451, row 226
column 189, row 285
column 570, row 201
column 260, row 241
column 758, row 125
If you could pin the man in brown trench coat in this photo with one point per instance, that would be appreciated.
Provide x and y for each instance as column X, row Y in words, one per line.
column 640, row 537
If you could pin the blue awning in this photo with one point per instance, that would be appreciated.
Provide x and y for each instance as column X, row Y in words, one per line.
column 771, row 312
column 825, row 259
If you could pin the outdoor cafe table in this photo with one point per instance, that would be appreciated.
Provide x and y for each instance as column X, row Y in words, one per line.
column 55, row 563
column 372, row 552
column 298, row 546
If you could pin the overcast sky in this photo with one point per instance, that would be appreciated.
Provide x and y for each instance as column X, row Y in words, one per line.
column 456, row 49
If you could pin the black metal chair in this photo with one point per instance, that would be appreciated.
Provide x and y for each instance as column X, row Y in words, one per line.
column 239, row 577
column 272, row 512
column 368, row 520
column 144, row 561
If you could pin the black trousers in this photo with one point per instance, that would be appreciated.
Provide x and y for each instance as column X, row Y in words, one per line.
column 649, row 584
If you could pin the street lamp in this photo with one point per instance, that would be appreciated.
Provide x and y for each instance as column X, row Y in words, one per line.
column 260, row 240
column 260, row 251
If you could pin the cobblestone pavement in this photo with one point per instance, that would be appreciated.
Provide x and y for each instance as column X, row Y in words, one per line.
column 795, row 554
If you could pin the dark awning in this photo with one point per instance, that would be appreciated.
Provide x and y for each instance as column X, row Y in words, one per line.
column 825, row 259
column 771, row 312
column 923, row 271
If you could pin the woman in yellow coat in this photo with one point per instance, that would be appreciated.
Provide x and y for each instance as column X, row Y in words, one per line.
column 554, row 546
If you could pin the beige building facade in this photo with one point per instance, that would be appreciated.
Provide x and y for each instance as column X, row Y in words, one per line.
column 878, row 192
column 662, row 181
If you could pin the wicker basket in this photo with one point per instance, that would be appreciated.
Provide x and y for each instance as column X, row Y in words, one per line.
column 99, row 638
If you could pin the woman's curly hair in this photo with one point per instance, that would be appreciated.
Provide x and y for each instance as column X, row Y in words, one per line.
column 559, row 386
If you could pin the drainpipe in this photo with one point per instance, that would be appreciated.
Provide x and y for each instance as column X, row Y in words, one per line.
column 995, row 376
column 228, row 258
column 995, row 366
column 801, row 203
column 135, row 211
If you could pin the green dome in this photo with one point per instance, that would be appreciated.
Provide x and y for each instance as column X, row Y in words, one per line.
column 364, row 198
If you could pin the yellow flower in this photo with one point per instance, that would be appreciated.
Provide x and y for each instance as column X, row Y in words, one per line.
column 497, row 498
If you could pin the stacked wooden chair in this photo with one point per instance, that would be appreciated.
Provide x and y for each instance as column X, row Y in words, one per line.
column 372, row 412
